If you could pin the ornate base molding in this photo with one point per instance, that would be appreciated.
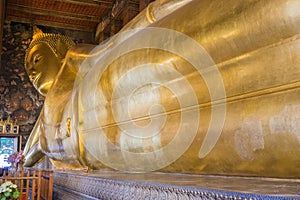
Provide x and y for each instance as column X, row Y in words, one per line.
column 70, row 186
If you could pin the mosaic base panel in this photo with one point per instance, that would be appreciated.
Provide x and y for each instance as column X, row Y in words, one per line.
column 107, row 185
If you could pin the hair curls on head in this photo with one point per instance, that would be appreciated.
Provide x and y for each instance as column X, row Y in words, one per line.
column 50, row 39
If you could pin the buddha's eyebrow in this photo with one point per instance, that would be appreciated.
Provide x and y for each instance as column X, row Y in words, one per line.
column 33, row 55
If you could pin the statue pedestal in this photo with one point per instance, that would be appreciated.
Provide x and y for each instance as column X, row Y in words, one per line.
column 121, row 185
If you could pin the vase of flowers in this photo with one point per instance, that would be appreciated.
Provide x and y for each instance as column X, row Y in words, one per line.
column 17, row 160
column 9, row 191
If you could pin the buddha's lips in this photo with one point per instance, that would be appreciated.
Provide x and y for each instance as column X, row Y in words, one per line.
column 35, row 80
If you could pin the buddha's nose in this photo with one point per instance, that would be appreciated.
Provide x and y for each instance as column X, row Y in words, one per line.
column 32, row 75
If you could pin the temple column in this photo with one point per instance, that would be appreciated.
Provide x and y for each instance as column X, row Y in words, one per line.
column 130, row 11
column 115, row 26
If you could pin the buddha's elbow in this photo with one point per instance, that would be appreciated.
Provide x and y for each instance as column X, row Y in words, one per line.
column 33, row 156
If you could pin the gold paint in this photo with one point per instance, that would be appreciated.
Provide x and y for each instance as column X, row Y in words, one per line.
column 259, row 62
column 68, row 124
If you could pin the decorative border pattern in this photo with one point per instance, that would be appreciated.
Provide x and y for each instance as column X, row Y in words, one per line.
column 78, row 186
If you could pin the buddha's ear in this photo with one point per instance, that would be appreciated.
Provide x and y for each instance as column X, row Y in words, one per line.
column 61, row 48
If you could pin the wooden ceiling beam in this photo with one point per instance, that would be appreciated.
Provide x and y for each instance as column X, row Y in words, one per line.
column 40, row 11
column 50, row 24
column 105, row 4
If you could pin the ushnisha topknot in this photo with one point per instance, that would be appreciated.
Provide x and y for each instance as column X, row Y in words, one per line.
column 50, row 39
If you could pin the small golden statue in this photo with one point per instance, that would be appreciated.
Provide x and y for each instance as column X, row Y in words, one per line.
column 2, row 125
column 134, row 102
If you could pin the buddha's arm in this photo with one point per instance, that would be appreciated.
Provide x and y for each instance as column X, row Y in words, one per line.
column 73, row 68
column 32, row 151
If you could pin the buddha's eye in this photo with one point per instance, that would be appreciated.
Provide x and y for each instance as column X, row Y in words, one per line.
column 37, row 58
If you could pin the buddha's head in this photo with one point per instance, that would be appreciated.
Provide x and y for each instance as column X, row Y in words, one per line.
column 44, row 57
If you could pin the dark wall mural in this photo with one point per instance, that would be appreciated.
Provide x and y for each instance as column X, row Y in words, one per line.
column 19, row 99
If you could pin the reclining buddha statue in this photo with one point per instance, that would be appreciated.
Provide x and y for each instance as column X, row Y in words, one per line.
column 202, row 87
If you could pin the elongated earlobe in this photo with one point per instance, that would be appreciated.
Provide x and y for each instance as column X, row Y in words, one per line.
column 61, row 48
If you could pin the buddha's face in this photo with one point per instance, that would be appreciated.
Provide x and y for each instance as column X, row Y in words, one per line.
column 42, row 66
